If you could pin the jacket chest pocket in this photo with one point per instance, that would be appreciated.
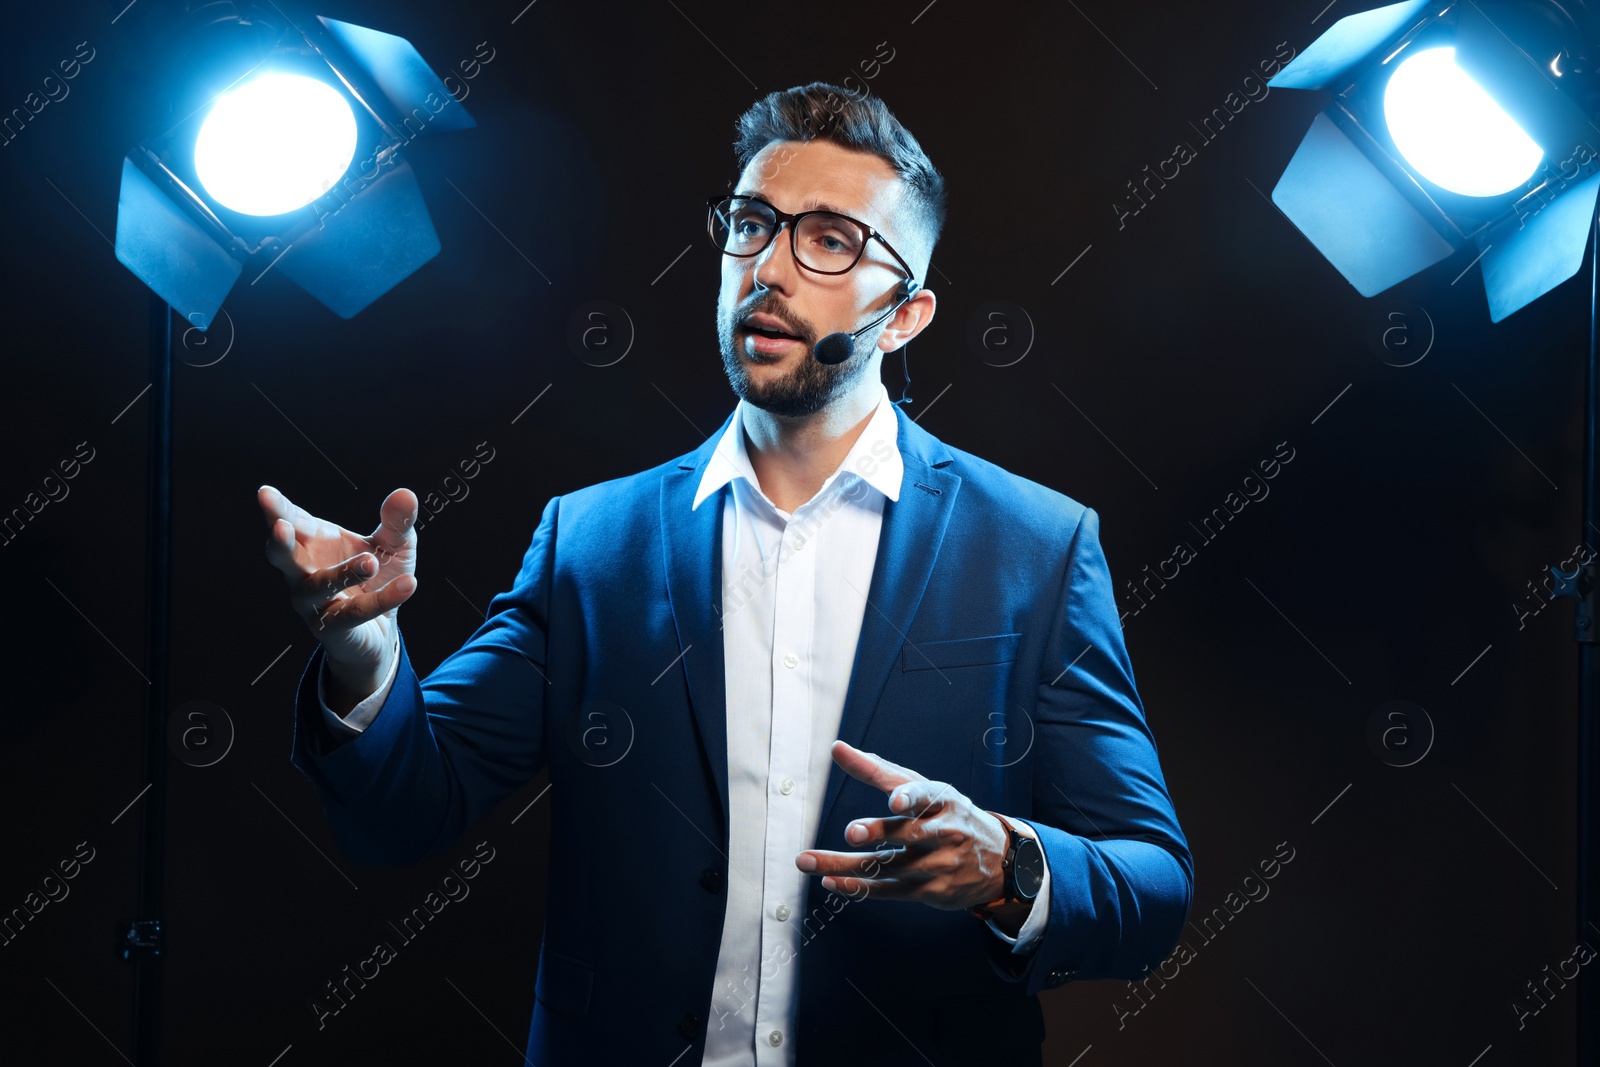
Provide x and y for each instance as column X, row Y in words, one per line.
column 961, row 652
column 958, row 689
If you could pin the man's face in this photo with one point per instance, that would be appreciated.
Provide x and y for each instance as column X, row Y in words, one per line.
column 784, row 377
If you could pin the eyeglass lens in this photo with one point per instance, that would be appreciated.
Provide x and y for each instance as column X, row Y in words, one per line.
column 823, row 241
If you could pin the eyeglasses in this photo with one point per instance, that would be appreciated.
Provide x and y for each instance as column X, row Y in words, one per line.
column 823, row 242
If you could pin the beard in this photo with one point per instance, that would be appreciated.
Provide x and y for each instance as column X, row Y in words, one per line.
column 808, row 387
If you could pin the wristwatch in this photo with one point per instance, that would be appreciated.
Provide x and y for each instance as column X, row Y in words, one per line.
column 1023, row 867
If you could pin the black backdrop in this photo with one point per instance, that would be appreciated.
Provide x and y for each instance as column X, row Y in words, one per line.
column 1185, row 344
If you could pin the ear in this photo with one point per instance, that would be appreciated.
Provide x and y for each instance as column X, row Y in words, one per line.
column 912, row 318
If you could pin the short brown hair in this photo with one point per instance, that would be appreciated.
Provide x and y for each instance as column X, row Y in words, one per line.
column 861, row 122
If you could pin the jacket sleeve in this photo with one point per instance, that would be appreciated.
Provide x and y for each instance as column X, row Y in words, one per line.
column 442, row 751
column 1121, row 876
column 1033, row 926
column 360, row 716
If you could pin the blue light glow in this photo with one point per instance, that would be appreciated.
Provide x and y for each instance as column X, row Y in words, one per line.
column 275, row 144
column 1453, row 132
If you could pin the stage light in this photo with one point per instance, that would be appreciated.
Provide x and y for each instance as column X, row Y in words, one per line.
column 285, row 154
column 1447, row 130
column 1452, row 131
column 275, row 144
column 291, row 162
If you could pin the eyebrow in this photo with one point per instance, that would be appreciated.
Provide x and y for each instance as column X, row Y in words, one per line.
column 812, row 204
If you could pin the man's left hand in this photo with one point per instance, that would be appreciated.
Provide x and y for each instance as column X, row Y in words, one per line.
column 939, row 848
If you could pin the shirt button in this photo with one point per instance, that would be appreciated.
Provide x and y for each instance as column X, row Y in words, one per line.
column 782, row 912
column 786, row 786
column 790, row 660
column 775, row 1038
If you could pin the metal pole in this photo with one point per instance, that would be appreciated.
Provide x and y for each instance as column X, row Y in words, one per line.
column 1586, row 625
column 141, row 942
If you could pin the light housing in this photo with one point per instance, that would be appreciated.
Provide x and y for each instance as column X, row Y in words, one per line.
column 186, row 226
column 1370, row 199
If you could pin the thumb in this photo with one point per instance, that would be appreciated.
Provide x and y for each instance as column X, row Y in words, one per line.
column 397, row 526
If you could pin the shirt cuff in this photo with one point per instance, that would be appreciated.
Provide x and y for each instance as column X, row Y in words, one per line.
column 1032, row 930
column 362, row 714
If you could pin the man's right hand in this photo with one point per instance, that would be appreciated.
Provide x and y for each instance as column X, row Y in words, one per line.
column 346, row 587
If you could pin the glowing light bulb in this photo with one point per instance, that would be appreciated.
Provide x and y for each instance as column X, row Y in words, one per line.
column 275, row 144
column 1452, row 131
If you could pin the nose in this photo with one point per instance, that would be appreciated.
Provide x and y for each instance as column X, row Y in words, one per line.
column 775, row 265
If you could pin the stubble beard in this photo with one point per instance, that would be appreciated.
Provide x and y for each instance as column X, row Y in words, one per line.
column 808, row 387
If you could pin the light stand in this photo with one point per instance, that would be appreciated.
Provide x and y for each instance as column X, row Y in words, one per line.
column 367, row 232
column 1382, row 202
column 1583, row 586
column 141, row 938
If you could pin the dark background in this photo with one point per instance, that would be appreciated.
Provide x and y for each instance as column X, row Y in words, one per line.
column 1196, row 337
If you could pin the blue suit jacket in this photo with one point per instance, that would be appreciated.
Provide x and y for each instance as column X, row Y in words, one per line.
column 991, row 657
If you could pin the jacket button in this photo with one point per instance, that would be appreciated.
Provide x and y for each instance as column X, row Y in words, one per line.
column 689, row 1027
column 711, row 880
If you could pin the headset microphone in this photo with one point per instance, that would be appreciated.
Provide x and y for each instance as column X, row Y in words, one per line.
column 837, row 347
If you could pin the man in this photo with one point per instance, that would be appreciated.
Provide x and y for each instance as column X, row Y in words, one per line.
column 912, row 650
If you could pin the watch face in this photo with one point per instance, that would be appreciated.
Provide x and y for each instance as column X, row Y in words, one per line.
column 1028, row 868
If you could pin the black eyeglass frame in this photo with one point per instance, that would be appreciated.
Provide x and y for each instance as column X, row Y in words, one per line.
column 782, row 217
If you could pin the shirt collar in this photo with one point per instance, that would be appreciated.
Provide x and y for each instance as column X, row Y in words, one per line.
column 874, row 458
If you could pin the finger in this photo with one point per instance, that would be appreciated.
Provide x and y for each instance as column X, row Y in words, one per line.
column 280, row 549
column 887, row 862
column 877, row 888
column 895, row 830
column 922, row 799
column 320, row 587
column 286, row 524
column 872, row 768
column 349, row 612
column 277, row 506
column 397, row 524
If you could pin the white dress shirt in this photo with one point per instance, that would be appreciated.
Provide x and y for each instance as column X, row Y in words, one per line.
column 793, row 596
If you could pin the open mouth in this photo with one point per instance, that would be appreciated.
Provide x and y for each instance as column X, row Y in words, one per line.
column 769, row 334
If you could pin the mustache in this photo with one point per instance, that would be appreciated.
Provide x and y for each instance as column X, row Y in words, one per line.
column 771, row 307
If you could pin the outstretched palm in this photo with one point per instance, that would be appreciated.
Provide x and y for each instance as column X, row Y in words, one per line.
column 347, row 607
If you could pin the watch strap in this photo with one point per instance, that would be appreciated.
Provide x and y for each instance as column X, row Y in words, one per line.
column 986, row 910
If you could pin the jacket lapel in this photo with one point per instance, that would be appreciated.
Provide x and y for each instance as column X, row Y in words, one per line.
column 692, row 544
column 908, row 545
